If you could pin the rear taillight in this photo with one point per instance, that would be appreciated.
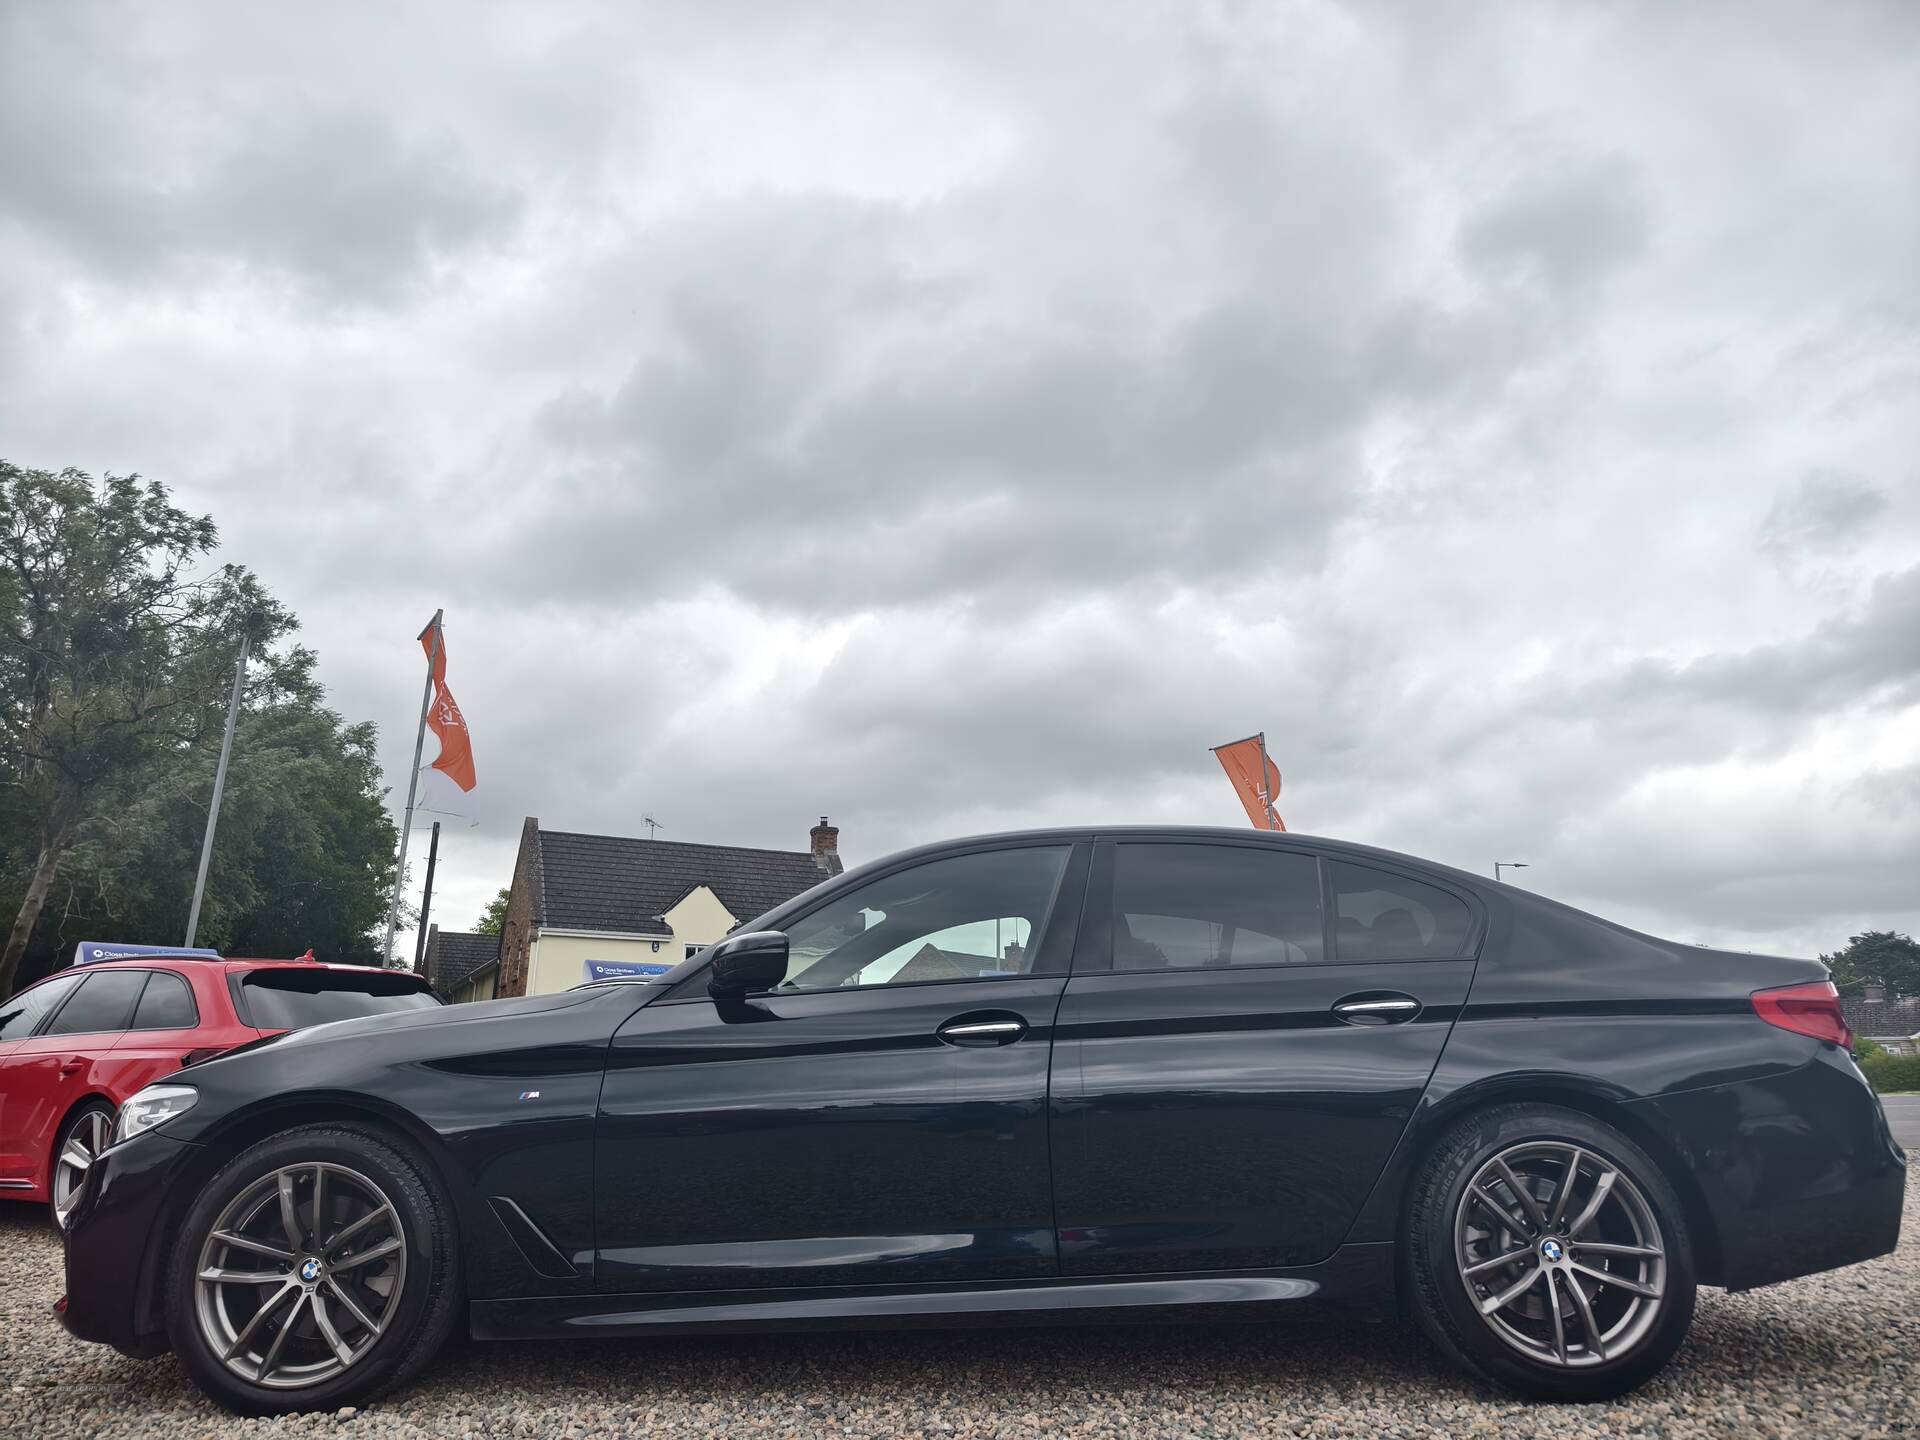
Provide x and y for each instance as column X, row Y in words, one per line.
column 1806, row 1010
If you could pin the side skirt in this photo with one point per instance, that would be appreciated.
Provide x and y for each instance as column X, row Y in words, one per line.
column 1357, row 1278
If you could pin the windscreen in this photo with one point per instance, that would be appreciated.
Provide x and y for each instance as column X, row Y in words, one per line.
column 291, row 999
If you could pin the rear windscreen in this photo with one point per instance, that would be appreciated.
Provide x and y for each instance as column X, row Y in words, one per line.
column 291, row 999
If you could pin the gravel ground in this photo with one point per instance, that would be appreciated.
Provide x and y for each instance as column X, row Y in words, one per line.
column 1834, row 1355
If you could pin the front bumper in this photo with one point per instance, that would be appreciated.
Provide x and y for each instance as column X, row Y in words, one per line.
column 117, row 1245
column 1798, row 1172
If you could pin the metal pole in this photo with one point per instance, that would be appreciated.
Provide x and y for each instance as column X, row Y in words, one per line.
column 413, row 789
column 1266, row 796
column 219, row 789
column 426, row 899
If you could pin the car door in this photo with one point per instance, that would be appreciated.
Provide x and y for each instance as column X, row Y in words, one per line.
column 1246, row 1032
column 166, row 1028
column 880, row 1117
column 50, row 1070
column 20, row 1016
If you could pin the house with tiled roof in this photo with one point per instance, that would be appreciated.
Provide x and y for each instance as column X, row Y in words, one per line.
column 1892, row 1024
column 584, row 907
column 462, row 965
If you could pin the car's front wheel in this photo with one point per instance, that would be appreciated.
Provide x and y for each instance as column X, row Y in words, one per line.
column 318, row 1269
column 81, row 1139
column 1547, row 1252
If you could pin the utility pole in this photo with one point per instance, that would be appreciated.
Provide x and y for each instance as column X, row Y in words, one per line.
column 413, row 789
column 219, row 785
column 426, row 899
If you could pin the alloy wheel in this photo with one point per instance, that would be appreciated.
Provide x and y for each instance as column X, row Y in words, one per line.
column 300, row 1275
column 1560, row 1254
column 82, row 1147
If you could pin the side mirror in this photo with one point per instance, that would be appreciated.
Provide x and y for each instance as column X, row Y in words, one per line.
column 747, row 964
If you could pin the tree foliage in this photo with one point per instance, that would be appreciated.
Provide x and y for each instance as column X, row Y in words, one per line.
column 116, row 662
column 1883, row 957
column 494, row 917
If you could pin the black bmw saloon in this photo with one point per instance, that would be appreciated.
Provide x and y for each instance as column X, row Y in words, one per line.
column 1058, row 1076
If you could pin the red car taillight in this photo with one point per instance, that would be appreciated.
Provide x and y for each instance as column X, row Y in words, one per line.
column 1806, row 1010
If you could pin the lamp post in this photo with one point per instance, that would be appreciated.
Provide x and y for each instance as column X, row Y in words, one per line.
column 1500, row 865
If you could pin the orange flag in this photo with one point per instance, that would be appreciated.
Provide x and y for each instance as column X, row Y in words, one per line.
column 1255, row 779
column 444, row 718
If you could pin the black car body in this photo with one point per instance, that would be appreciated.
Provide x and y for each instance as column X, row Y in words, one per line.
column 1096, row 1124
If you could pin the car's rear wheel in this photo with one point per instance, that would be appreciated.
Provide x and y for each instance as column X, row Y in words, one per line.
column 1546, row 1251
column 318, row 1269
column 81, row 1139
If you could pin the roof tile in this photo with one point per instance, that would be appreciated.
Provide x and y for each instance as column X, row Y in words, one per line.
column 620, row 884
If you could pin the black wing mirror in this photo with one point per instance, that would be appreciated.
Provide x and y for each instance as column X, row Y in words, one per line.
column 747, row 964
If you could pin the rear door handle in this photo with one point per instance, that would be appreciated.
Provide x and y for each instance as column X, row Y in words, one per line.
column 1377, row 1009
column 982, row 1032
column 72, row 1067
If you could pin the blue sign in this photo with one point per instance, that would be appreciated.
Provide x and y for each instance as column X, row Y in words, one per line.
column 625, row 969
column 89, row 951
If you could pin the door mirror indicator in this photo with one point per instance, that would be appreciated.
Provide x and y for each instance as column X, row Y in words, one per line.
column 747, row 964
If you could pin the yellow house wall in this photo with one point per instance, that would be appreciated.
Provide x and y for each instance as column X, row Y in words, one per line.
column 481, row 989
column 558, row 962
column 700, row 919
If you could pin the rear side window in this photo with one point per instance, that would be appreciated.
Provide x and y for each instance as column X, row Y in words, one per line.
column 103, row 1002
column 1187, row 907
column 166, row 1004
column 1381, row 916
column 291, row 999
column 20, row 1014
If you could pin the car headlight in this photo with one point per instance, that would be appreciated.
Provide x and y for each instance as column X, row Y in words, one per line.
column 155, row 1105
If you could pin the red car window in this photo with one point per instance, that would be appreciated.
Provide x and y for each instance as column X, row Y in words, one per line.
column 290, row 999
column 166, row 1004
column 23, row 1012
column 104, row 1002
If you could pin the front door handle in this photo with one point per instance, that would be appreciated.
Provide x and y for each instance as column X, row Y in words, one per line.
column 982, row 1032
column 1377, row 1009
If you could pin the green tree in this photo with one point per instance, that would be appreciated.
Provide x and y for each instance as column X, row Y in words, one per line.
column 1883, row 957
column 494, row 916
column 304, row 854
column 116, row 662
column 111, row 651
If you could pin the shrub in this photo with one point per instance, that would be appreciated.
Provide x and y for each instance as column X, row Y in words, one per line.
column 1863, row 1047
column 1888, row 1073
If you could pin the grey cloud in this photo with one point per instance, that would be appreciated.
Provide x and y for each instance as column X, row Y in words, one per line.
column 1869, row 658
column 1825, row 512
column 1569, row 223
column 335, row 200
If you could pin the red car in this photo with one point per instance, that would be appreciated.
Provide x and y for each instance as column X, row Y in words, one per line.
column 73, row 1046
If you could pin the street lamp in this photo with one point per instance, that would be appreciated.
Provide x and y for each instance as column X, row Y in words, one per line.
column 1500, row 865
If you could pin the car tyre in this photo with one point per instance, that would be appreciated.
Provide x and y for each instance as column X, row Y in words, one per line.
column 1614, row 1277
column 83, row 1135
column 364, row 1303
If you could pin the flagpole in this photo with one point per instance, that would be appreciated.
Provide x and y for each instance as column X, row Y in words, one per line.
column 1266, row 799
column 413, row 788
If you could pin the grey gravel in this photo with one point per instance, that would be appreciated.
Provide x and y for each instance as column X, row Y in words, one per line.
column 1835, row 1355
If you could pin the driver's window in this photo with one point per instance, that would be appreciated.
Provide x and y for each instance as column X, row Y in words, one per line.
column 970, row 917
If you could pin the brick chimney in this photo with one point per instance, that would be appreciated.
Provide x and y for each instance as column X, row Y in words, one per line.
column 1873, row 990
column 826, row 846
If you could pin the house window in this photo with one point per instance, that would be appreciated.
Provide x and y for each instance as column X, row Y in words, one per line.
column 693, row 950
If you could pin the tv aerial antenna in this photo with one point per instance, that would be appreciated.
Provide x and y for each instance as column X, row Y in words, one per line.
column 651, row 824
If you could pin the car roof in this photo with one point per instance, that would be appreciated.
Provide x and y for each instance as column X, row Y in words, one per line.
column 1237, row 834
column 227, row 965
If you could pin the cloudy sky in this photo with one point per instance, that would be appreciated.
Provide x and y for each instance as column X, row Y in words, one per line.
column 949, row 417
